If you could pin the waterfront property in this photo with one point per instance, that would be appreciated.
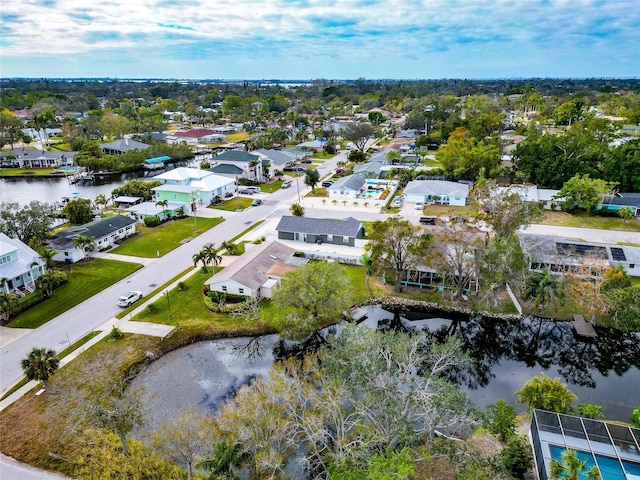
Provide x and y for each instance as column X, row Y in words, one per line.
column 119, row 147
column 106, row 232
column 320, row 230
column 437, row 191
column 620, row 200
column 21, row 158
column 258, row 272
column 20, row 266
column 191, row 186
column 613, row 448
column 561, row 254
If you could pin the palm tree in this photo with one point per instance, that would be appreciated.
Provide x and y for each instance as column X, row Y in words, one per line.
column 84, row 243
column 211, row 255
column 334, row 202
column 570, row 467
column 7, row 301
column 200, row 257
column 40, row 364
column 163, row 204
column 545, row 393
column 47, row 255
column 253, row 166
column 101, row 200
column 544, row 288
column 229, row 247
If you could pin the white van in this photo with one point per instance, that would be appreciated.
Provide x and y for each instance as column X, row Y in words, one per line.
column 253, row 189
column 350, row 146
column 419, row 205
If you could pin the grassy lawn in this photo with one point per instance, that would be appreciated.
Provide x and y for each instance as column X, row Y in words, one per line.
column 163, row 238
column 187, row 306
column 582, row 220
column 323, row 156
column 468, row 211
column 238, row 136
column 271, row 187
column 319, row 192
column 233, row 204
column 85, row 280
column 27, row 171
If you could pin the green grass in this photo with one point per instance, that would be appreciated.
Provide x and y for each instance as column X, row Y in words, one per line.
column 187, row 306
column 27, row 171
column 85, row 280
column 237, row 136
column 271, row 187
column 163, row 238
column 131, row 308
column 319, row 192
column 233, row 204
column 582, row 220
column 323, row 156
column 246, row 230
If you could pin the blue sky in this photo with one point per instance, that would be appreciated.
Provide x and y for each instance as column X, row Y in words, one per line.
column 304, row 39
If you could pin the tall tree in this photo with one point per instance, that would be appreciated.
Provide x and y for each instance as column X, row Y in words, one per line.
column 42, row 121
column 585, row 192
column 40, row 364
column 163, row 204
column 315, row 293
column 358, row 133
column 395, row 246
column 30, row 224
column 84, row 243
column 545, row 289
column 465, row 158
column 311, row 178
column 78, row 211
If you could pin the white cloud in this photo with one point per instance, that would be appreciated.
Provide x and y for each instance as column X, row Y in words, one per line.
column 399, row 32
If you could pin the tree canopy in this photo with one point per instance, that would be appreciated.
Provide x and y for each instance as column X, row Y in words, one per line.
column 30, row 223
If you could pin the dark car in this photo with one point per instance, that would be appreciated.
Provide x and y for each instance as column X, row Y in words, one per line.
column 459, row 219
column 327, row 183
column 306, row 160
column 228, row 195
column 428, row 220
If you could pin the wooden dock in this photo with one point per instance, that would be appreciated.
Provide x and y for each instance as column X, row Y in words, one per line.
column 582, row 327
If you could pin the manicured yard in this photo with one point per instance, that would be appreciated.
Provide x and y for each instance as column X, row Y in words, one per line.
column 27, row 171
column 233, row 204
column 582, row 220
column 85, row 280
column 319, row 192
column 237, row 136
column 163, row 238
column 271, row 187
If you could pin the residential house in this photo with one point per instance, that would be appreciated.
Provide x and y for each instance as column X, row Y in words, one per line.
column 375, row 167
column 611, row 447
column 320, row 230
column 119, row 147
column 560, row 254
column 106, row 232
column 201, row 135
column 22, row 158
column 43, row 133
column 274, row 160
column 437, row 191
column 185, row 188
column 20, row 266
column 349, row 187
column 533, row 194
column 258, row 272
column 246, row 165
column 315, row 145
column 620, row 200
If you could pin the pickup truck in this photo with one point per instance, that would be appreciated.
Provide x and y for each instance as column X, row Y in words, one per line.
column 428, row 220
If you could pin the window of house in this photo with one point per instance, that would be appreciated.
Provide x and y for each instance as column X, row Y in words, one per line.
column 224, row 288
column 175, row 196
column 66, row 254
column 241, row 290
column 5, row 259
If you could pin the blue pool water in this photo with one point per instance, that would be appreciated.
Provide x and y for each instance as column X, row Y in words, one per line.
column 610, row 468
column 69, row 169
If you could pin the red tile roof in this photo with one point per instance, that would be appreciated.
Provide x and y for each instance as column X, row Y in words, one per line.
column 195, row 133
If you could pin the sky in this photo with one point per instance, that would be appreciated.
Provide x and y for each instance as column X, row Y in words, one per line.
column 308, row 39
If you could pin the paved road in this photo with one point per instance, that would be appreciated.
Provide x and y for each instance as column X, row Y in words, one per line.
column 86, row 317
column 11, row 469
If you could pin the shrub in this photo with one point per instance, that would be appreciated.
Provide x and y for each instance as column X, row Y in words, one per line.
column 182, row 286
column 151, row 221
column 26, row 302
column 635, row 417
column 589, row 410
column 502, row 420
column 516, row 457
column 116, row 333
column 152, row 308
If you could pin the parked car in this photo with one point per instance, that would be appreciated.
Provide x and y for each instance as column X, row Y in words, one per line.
column 294, row 169
column 428, row 220
column 256, row 202
column 397, row 202
column 228, row 195
column 306, row 160
column 246, row 191
column 129, row 298
column 286, row 184
column 327, row 183
column 419, row 205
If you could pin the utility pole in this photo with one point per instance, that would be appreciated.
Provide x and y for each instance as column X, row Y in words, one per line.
column 168, row 305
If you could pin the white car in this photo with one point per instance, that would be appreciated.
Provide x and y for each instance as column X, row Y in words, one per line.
column 419, row 205
column 129, row 298
column 397, row 202
column 286, row 184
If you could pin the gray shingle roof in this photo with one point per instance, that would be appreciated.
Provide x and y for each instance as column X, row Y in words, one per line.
column 98, row 229
column 347, row 227
column 235, row 156
column 227, row 168
column 124, row 145
column 251, row 269
column 352, row 182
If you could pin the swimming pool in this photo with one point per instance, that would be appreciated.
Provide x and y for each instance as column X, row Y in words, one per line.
column 609, row 467
column 69, row 169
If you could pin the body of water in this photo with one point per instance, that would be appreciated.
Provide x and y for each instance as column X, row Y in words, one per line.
column 505, row 355
column 51, row 190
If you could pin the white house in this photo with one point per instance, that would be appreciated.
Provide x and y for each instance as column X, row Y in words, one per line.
column 437, row 191
column 531, row 193
column 256, row 273
column 347, row 187
column 236, row 163
column 275, row 159
column 106, row 232
column 20, row 265
column 187, row 185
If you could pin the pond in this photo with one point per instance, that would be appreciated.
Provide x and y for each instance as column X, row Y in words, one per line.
column 505, row 354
